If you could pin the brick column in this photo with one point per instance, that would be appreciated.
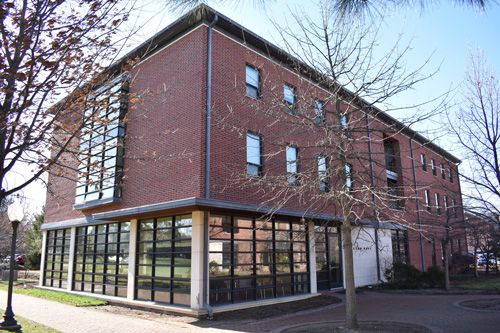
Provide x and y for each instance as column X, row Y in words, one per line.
column 198, row 260
column 71, row 261
column 132, row 253
column 312, row 258
column 42, row 260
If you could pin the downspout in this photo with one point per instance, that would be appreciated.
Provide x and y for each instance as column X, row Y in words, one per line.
column 372, row 183
column 208, row 124
column 422, row 259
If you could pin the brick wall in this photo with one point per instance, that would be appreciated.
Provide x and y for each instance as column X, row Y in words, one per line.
column 165, row 132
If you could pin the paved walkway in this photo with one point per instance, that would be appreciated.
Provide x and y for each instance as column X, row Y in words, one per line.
column 71, row 319
column 437, row 312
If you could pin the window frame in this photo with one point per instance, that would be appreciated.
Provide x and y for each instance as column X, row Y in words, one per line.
column 423, row 162
column 443, row 171
column 348, row 177
column 324, row 184
column 292, row 176
column 319, row 113
column 250, row 85
column 427, row 198
column 290, row 107
column 257, row 137
column 433, row 167
column 437, row 199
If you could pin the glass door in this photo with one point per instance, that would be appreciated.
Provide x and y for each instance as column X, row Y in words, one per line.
column 328, row 258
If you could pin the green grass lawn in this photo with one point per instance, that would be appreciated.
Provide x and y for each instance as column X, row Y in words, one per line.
column 483, row 282
column 60, row 297
column 29, row 326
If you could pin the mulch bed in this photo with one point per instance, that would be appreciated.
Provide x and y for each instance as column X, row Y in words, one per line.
column 364, row 327
column 275, row 310
column 492, row 304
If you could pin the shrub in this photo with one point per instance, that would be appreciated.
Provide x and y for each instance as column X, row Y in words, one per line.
column 403, row 276
column 432, row 278
column 461, row 263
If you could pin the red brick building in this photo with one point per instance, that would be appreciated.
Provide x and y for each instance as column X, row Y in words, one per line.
column 198, row 154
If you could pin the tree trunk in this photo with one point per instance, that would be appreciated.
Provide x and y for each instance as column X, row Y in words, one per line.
column 476, row 273
column 487, row 263
column 446, row 266
column 351, row 319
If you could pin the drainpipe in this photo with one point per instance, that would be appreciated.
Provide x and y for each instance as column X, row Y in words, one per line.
column 422, row 259
column 372, row 184
column 208, row 127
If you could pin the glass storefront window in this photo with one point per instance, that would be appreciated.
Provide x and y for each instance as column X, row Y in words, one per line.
column 101, row 259
column 253, row 259
column 164, row 260
column 57, row 258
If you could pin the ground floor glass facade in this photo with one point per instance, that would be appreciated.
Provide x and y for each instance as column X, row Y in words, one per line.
column 250, row 259
column 57, row 258
column 101, row 259
column 163, row 271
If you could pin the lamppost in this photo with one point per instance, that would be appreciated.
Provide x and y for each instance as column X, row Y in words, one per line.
column 16, row 215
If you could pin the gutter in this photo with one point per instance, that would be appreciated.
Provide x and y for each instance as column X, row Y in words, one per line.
column 419, row 222
column 208, row 123
column 374, row 203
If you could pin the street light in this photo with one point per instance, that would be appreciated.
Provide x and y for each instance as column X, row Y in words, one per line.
column 16, row 215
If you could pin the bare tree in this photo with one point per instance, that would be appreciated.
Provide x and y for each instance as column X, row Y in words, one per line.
column 330, row 110
column 50, row 49
column 476, row 127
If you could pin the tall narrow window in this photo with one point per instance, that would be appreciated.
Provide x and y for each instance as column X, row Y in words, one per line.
column 323, row 173
column 450, row 175
column 443, row 172
column 319, row 112
column 438, row 203
column 344, row 122
column 254, row 158
column 289, row 98
column 101, row 145
column 445, row 200
column 423, row 161
column 427, row 195
column 292, row 167
column 348, row 176
column 433, row 167
column 253, row 82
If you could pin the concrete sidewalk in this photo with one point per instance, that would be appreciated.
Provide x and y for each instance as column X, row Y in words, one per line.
column 71, row 319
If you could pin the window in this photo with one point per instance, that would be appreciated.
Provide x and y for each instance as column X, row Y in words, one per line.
column 254, row 152
column 164, row 260
column 454, row 207
column 393, row 194
column 56, row 258
column 253, row 82
column 348, row 176
column 433, row 167
column 289, row 98
column 443, row 173
column 101, row 145
column 399, row 246
column 101, row 261
column 390, row 155
column 265, row 259
column 344, row 122
column 427, row 195
column 438, row 203
column 323, row 173
column 423, row 162
column 445, row 200
column 292, row 167
column 319, row 112
column 450, row 175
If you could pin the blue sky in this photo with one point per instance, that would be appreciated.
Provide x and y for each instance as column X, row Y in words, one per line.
column 445, row 31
